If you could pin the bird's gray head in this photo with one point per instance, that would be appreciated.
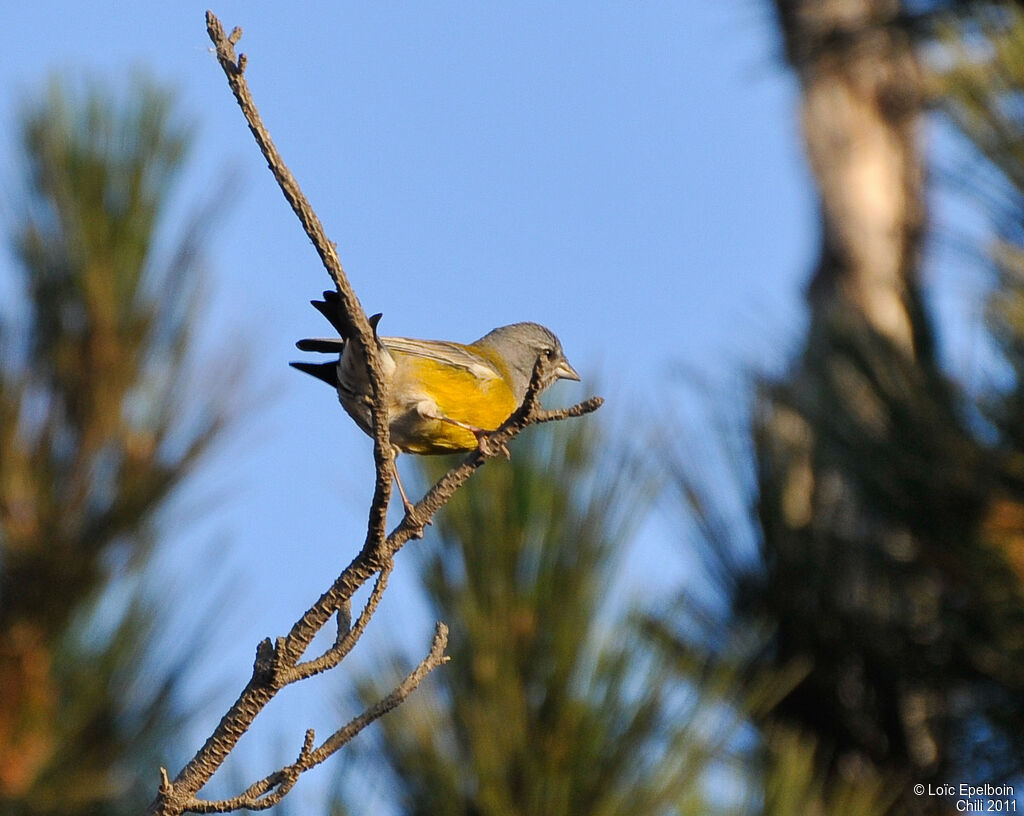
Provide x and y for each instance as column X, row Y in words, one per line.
column 520, row 346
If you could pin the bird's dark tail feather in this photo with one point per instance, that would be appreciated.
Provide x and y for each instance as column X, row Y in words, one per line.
column 328, row 372
column 326, row 345
column 330, row 307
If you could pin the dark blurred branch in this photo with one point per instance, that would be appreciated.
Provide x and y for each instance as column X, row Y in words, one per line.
column 277, row 663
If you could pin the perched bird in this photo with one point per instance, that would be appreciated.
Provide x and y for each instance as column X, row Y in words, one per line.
column 443, row 397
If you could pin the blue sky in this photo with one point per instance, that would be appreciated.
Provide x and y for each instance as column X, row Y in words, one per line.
column 628, row 174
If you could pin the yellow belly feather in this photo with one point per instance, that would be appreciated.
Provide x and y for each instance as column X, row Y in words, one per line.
column 483, row 402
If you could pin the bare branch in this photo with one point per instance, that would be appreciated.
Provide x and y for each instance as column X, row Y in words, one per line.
column 343, row 735
column 263, row 794
column 277, row 662
column 345, row 641
column 268, row 791
column 357, row 327
column 588, row 406
column 344, row 620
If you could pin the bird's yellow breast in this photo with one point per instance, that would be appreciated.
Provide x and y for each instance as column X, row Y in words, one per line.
column 478, row 397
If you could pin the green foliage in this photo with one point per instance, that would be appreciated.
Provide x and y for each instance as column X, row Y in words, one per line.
column 99, row 423
column 981, row 87
column 723, row 634
column 548, row 706
column 795, row 783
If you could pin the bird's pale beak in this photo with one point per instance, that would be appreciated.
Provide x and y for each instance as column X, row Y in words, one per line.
column 566, row 371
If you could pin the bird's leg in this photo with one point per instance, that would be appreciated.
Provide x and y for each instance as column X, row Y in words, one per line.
column 401, row 490
column 409, row 507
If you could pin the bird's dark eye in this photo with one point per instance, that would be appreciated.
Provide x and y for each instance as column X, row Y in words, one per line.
column 547, row 353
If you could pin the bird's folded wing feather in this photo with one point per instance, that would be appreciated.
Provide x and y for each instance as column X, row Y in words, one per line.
column 440, row 351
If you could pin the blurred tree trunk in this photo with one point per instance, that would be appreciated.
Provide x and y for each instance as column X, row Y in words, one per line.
column 861, row 115
column 862, row 97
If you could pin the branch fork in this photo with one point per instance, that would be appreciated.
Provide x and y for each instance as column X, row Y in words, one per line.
column 278, row 663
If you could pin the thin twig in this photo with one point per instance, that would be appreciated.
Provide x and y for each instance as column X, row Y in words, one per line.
column 357, row 327
column 277, row 662
column 344, row 616
column 262, row 794
column 344, row 642
column 343, row 735
column 268, row 791
column 270, row 669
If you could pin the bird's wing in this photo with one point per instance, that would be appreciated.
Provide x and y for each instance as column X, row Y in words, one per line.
column 440, row 351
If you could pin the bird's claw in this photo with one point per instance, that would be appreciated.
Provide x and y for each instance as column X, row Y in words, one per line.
column 484, row 445
column 409, row 508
